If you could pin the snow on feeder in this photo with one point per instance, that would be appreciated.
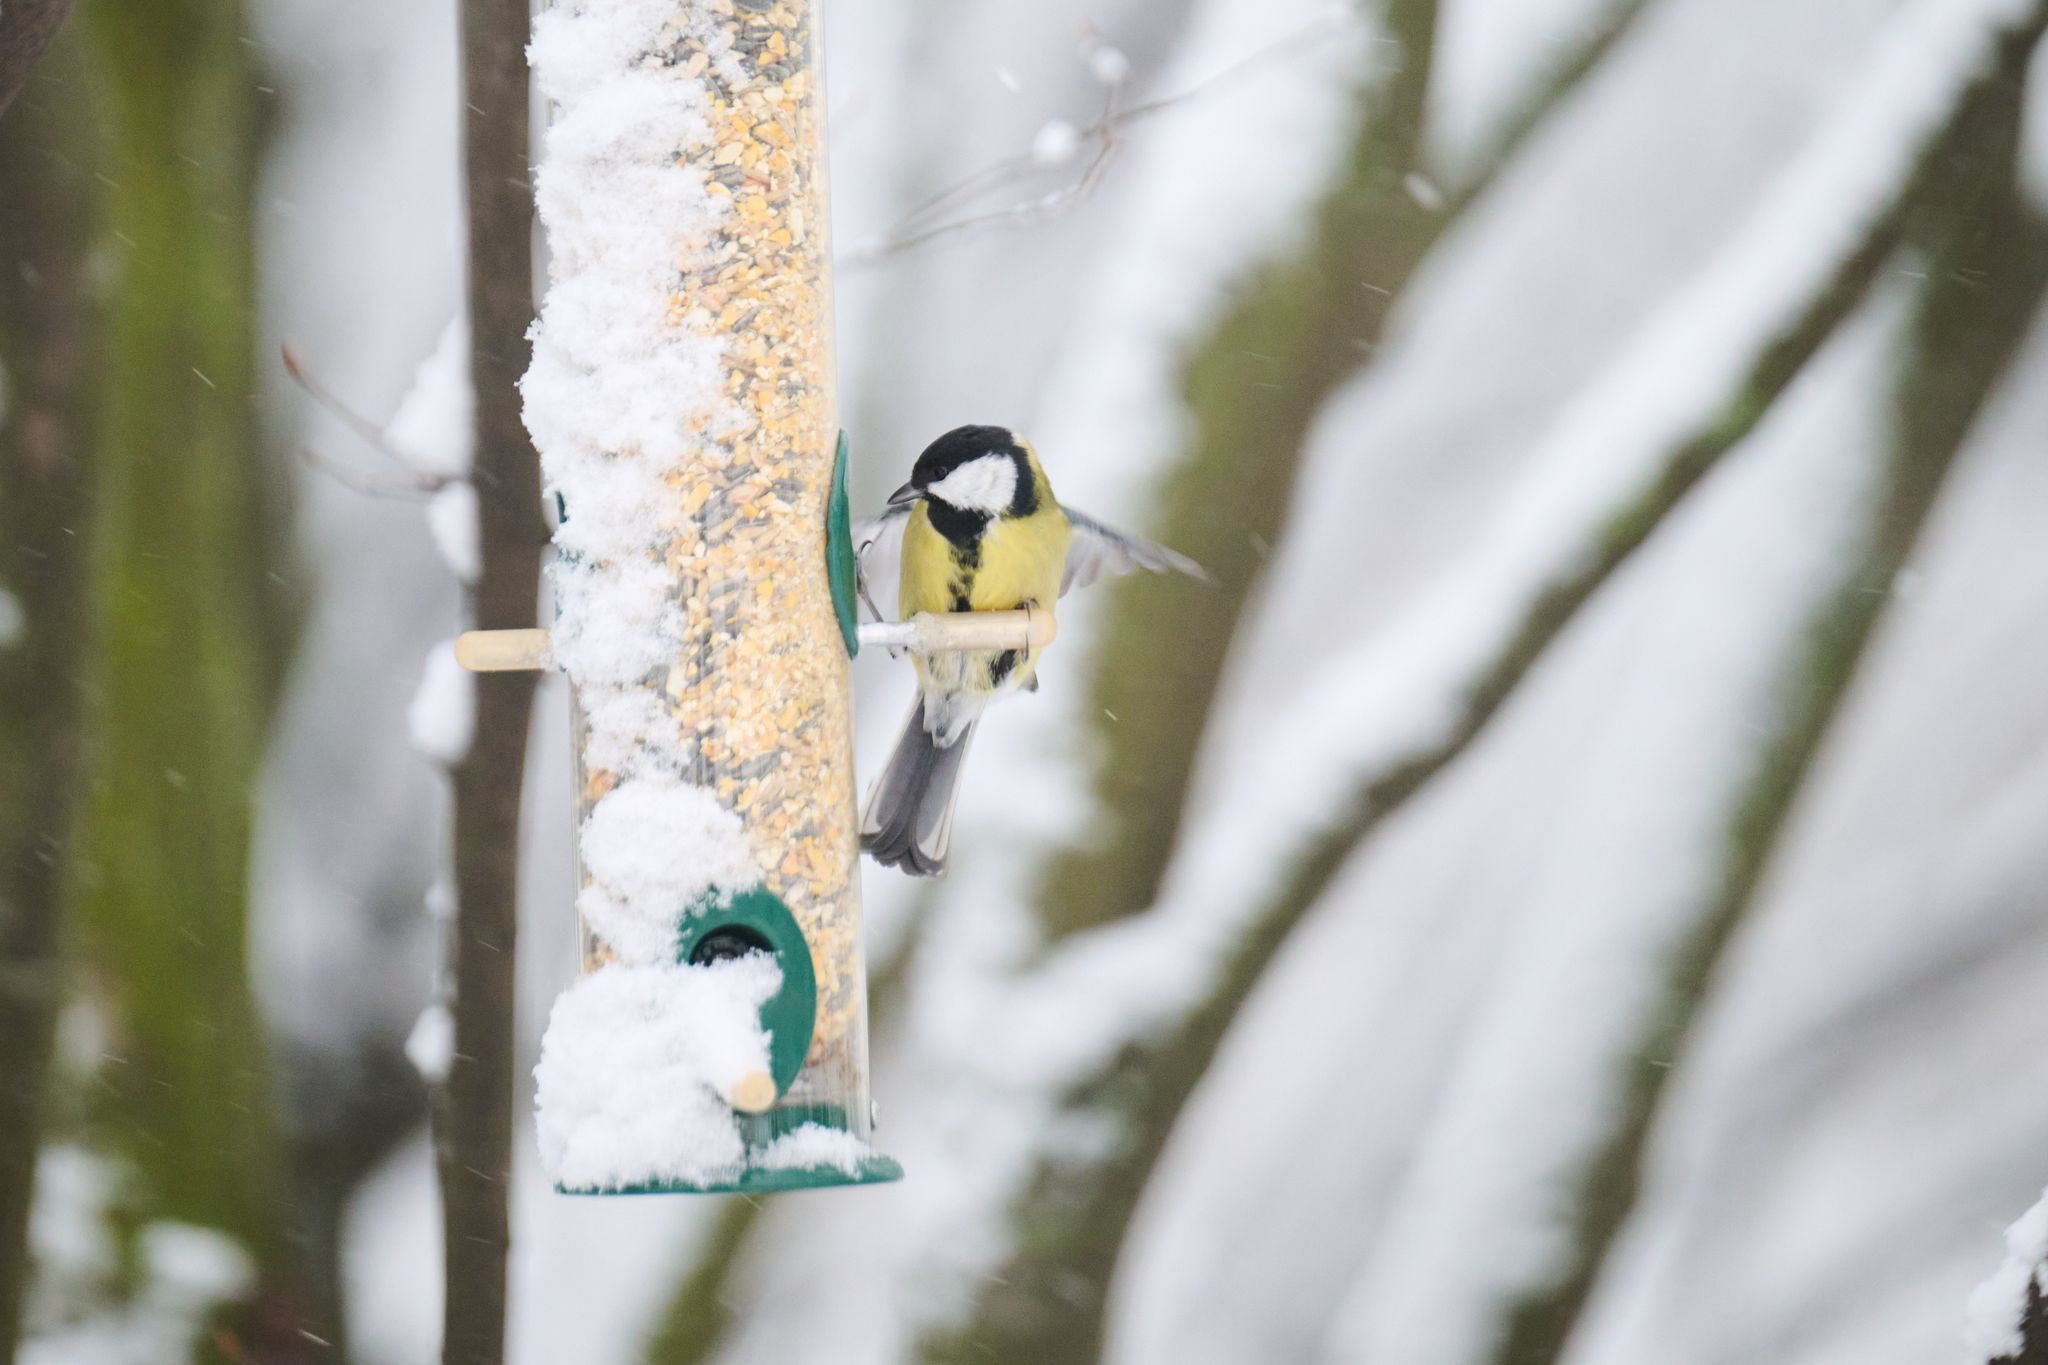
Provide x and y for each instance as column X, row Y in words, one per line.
column 681, row 399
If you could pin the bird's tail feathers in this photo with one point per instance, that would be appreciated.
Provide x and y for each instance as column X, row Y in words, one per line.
column 908, row 820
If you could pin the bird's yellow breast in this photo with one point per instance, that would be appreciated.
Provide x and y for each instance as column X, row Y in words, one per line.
column 1015, row 560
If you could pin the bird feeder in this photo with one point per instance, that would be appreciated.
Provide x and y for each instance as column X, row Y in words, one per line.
column 682, row 402
column 681, row 398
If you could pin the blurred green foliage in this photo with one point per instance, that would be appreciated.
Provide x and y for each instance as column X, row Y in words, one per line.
column 188, row 619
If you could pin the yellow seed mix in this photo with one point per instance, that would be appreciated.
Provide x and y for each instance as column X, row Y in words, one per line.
column 760, row 684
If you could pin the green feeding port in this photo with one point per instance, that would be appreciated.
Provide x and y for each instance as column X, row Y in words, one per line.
column 756, row 921
column 840, row 567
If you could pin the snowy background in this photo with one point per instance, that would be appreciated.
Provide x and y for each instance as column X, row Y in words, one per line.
column 1224, row 1041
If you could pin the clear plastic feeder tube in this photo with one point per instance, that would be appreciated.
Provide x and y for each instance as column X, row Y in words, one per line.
column 758, row 689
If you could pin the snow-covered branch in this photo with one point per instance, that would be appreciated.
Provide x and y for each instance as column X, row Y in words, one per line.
column 2008, row 1316
column 1963, row 338
column 1147, row 997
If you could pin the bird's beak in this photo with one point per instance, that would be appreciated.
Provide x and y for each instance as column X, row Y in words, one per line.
column 905, row 495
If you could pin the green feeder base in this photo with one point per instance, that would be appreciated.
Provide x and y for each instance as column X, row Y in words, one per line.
column 760, row 1130
column 875, row 1170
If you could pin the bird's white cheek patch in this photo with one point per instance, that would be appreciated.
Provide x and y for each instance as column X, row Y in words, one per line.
column 987, row 484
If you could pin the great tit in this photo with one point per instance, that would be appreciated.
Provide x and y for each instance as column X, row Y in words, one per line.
column 977, row 528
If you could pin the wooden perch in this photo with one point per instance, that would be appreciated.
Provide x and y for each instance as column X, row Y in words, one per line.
column 752, row 1093
column 513, row 651
column 936, row 632
column 502, row 651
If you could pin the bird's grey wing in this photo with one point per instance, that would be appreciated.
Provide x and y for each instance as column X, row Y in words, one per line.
column 1098, row 549
column 878, row 555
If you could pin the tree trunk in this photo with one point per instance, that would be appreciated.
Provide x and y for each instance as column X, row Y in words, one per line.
column 49, row 325
column 474, row 1110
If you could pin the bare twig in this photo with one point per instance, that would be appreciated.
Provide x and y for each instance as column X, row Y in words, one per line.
column 26, row 27
column 413, row 489
column 372, row 434
column 1105, row 134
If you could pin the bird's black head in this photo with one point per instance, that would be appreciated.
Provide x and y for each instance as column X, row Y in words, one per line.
column 961, row 445
column 983, row 470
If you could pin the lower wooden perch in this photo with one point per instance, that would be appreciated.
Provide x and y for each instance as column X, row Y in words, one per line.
column 752, row 1093
column 512, row 651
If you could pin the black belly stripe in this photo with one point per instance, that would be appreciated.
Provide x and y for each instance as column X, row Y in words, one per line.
column 963, row 532
column 963, row 528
